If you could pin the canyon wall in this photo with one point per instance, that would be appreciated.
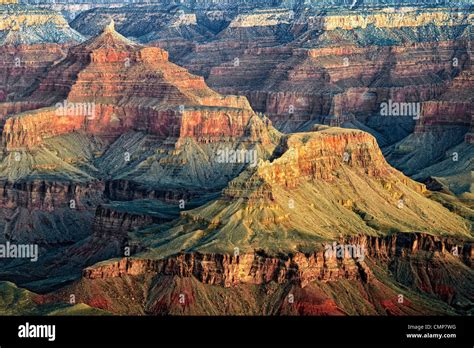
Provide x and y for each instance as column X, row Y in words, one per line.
column 258, row 268
column 49, row 195
column 204, row 125
column 113, row 222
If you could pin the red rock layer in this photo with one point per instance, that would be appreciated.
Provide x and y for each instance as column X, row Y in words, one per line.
column 125, row 86
column 279, row 80
column 202, row 124
column 257, row 268
column 22, row 65
column 453, row 107
column 317, row 156
column 228, row 270
column 444, row 113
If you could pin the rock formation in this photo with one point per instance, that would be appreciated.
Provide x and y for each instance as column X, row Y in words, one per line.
column 271, row 228
column 150, row 193
column 116, row 124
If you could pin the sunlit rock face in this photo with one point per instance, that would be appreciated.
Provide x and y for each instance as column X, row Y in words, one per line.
column 273, row 55
column 116, row 121
column 166, row 100
column 345, row 54
column 142, row 155
column 302, row 68
column 331, row 184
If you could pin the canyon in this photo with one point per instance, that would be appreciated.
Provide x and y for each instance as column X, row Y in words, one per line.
column 68, row 173
column 135, row 212
column 300, row 284
column 245, row 242
column 302, row 66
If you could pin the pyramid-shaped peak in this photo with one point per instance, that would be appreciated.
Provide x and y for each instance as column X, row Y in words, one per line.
column 110, row 27
column 110, row 38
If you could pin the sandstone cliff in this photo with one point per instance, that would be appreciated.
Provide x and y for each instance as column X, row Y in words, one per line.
column 185, row 280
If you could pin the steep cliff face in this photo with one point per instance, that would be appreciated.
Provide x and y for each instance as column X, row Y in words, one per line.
column 379, row 73
column 273, row 55
column 186, row 265
column 48, row 196
column 90, row 92
column 30, row 129
column 21, row 65
column 258, row 268
column 156, row 148
column 297, row 284
column 317, row 158
column 217, row 14
column 395, row 19
column 228, row 270
column 116, row 151
column 444, row 113
column 127, row 190
column 202, row 124
column 48, row 213
column 440, row 145
column 115, row 222
column 360, row 60
column 452, row 108
column 118, row 60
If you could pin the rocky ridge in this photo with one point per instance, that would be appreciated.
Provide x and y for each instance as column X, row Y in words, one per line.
column 260, row 242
